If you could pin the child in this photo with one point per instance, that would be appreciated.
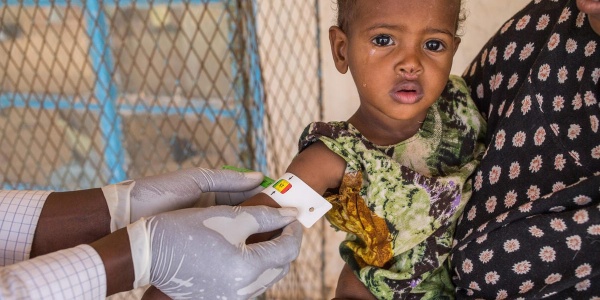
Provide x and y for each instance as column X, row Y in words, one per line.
column 397, row 172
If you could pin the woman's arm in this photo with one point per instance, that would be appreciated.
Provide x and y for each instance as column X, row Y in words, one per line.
column 592, row 9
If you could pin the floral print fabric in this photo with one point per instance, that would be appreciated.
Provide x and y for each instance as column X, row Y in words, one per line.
column 399, row 203
column 532, row 226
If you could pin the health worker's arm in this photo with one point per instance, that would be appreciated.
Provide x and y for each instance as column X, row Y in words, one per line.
column 72, row 273
column 202, row 246
column 33, row 223
column 67, row 219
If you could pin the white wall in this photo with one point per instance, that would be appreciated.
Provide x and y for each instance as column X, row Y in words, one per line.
column 340, row 99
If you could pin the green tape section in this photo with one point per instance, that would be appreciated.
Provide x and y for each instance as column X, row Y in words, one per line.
column 265, row 183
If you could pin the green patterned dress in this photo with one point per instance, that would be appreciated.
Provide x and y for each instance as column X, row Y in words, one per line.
column 399, row 203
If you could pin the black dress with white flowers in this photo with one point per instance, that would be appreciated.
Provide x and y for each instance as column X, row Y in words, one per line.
column 532, row 226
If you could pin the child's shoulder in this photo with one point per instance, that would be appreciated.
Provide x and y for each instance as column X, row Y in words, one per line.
column 457, row 107
column 331, row 133
column 331, row 128
column 457, row 84
column 456, row 93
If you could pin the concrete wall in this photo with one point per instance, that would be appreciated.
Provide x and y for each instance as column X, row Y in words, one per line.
column 340, row 99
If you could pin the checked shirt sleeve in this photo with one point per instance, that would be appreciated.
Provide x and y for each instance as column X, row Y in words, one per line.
column 74, row 273
column 19, row 214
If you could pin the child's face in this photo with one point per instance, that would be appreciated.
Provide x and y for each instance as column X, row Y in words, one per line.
column 399, row 53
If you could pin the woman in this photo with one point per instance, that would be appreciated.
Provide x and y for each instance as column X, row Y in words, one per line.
column 531, row 225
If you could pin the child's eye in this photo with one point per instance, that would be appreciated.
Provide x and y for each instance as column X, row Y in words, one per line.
column 383, row 40
column 434, row 45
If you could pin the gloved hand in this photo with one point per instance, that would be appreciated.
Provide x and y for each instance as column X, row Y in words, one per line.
column 132, row 199
column 200, row 253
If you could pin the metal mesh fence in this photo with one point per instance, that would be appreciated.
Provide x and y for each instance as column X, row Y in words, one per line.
column 95, row 92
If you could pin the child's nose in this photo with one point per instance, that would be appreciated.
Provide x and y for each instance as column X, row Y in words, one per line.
column 409, row 64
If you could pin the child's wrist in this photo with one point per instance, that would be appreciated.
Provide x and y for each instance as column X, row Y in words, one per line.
column 260, row 199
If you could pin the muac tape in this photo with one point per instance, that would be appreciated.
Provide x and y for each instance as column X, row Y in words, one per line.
column 291, row 191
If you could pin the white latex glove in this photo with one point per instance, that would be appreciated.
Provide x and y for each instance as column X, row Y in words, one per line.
column 132, row 199
column 200, row 253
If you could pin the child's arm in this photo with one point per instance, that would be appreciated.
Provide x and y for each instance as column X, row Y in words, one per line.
column 349, row 287
column 321, row 169
column 317, row 166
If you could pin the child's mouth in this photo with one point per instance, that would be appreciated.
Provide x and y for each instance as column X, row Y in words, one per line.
column 407, row 93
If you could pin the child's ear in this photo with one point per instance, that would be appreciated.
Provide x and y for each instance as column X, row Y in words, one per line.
column 339, row 46
column 456, row 44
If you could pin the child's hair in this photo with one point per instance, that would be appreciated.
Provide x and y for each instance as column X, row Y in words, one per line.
column 345, row 13
column 347, row 8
